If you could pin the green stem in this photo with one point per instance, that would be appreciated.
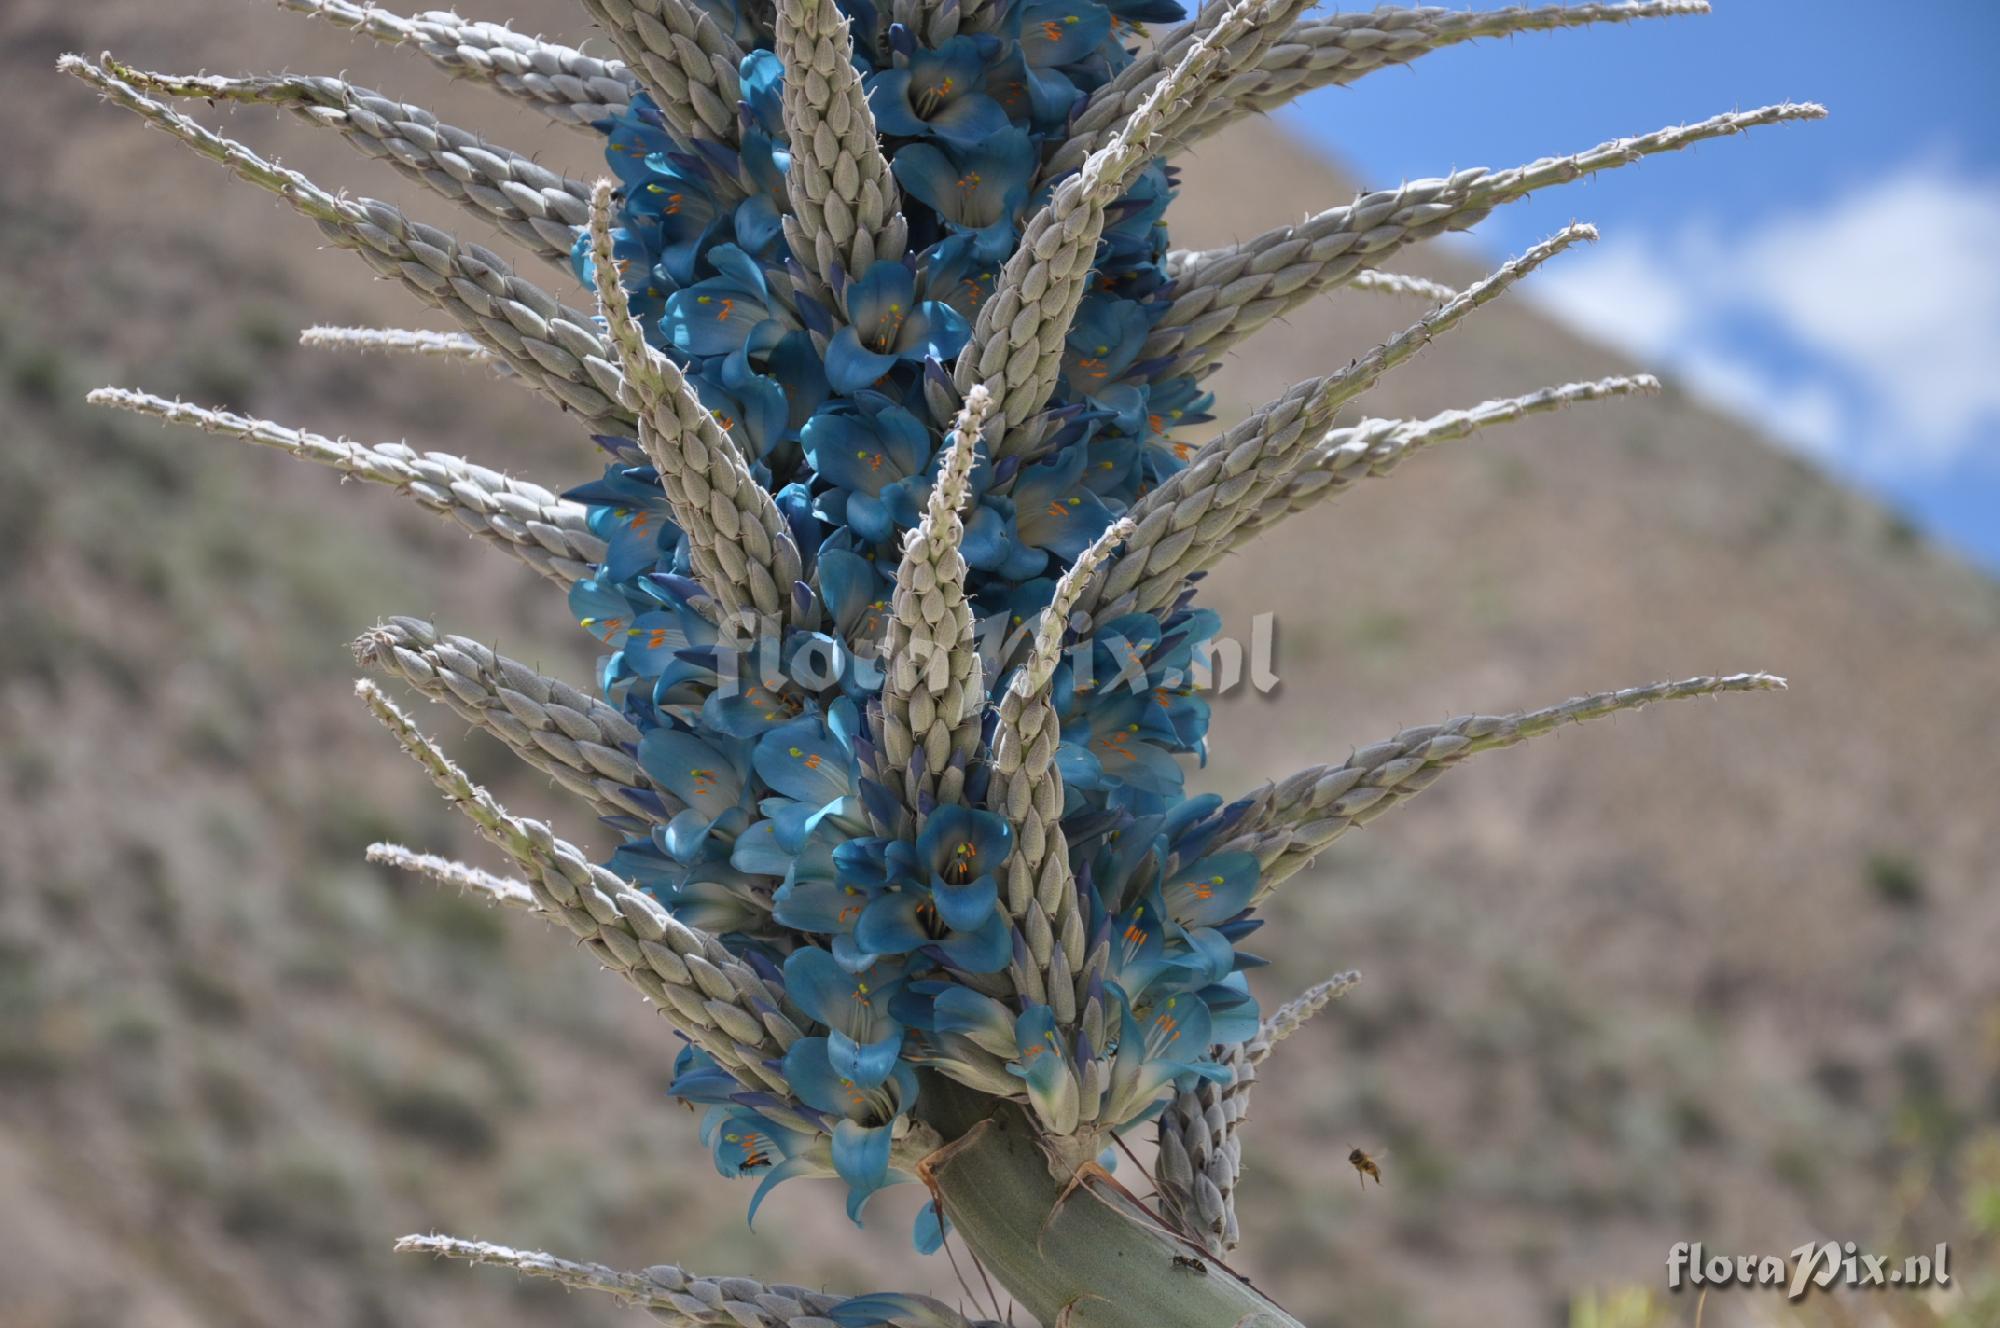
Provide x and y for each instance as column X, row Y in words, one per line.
column 1088, row 1259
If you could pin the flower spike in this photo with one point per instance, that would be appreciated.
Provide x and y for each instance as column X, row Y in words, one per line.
column 1288, row 1018
column 932, row 691
column 1289, row 823
column 1193, row 514
column 548, row 345
column 550, row 534
column 894, row 545
column 728, row 1011
column 1373, row 448
column 1179, row 261
column 1017, row 344
column 1039, row 891
column 743, row 551
column 573, row 738
column 1338, row 49
column 463, row 877
column 571, row 88
column 1224, row 295
column 532, row 204
column 688, row 64
column 680, row 1299
column 846, row 207
column 1397, row 283
column 1201, row 1159
column 398, row 340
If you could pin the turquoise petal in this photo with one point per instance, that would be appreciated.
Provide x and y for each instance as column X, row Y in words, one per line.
column 861, row 1156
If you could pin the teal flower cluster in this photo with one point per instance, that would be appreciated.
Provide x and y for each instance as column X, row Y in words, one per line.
column 836, row 392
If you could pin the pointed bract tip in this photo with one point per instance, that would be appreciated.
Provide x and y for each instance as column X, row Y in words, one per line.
column 372, row 646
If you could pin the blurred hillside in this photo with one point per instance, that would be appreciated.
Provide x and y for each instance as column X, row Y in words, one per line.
column 1719, row 972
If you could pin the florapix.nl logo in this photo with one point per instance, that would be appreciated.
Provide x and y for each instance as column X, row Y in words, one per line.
column 748, row 658
column 1813, row 1266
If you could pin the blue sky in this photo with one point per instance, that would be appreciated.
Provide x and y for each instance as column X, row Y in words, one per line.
column 1839, row 282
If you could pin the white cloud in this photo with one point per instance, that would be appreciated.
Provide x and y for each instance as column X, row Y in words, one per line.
column 1622, row 294
column 1867, row 330
column 1806, row 413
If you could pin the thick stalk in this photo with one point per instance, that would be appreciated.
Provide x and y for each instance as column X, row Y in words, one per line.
column 1086, row 1260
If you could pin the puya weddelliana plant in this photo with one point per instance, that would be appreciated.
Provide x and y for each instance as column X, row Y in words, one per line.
column 893, row 557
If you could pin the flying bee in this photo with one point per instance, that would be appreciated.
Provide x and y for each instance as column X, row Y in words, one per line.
column 1364, row 1167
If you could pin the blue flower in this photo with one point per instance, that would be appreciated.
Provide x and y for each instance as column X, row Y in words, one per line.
column 797, row 367
column 1109, row 747
column 706, row 774
column 630, row 514
column 875, row 455
column 959, row 272
column 928, row 1231
column 1055, row 36
column 1103, row 343
column 719, row 315
column 887, row 325
column 1211, row 890
column 1158, row 1043
column 749, row 1143
column 762, row 78
column 939, row 94
column 697, row 1078
column 708, row 894
column 978, row 188
column 671, row 211
column 657, row 640
column 815, row 897
column 961, row 849
column 1055, row 511
column 751, row 407
column 809, row 763
column 863, row 1038
column 960, row 1033
column 1138, row 948
column 601, row 606
column 949, row 901
column 864, row 1113
column 856, row 595
column 905, row 921
column 1044, row 1068
column 630, row 139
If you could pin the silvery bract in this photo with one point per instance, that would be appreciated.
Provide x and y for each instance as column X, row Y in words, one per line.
column 908, row 486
